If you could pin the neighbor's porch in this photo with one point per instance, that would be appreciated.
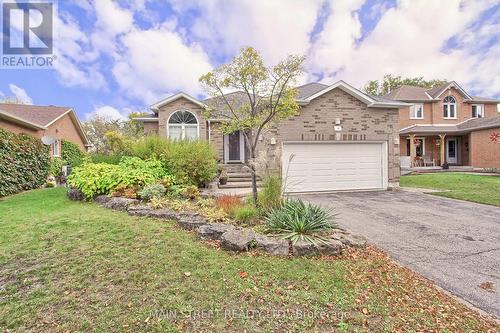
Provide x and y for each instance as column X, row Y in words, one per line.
column 431, row 151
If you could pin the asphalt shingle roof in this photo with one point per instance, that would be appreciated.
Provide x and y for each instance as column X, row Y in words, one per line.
column 39, row 115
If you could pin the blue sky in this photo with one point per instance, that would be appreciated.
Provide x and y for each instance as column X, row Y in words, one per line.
column 114, row 57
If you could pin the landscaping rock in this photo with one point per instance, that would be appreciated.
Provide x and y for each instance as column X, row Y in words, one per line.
column 117, row 203
column 331, row 247
column 238, row 239
column 302, row 248
column 273, row 246
column 75, row 194
column 102, row 199
column 214, row 231
column 140, row 210
column 349, row 239
column 191, row 223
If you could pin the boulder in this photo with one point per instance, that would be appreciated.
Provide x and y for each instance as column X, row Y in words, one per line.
column 75, row 194
column 238, row 239
column 191, row 223
column 331, row 247
column 349, row 239
column 139, row 210
column 213, row 230
column 271, row 245
column 302, row 248
column 118, row 203
column 102, row 199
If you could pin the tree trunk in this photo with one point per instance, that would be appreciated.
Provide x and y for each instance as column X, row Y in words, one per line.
column 254, row 177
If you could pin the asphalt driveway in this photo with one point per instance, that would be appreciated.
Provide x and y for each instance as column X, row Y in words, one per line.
column 454, row 243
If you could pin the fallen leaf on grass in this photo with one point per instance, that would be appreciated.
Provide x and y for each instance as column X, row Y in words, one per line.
column 488, row 286
column 187, row 273
column 243, row 274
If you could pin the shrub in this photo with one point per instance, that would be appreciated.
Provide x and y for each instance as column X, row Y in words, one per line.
column 102, row 158
column 101, row 178
column 71, row 153
column 299, row 221
column 190, row 192
column 228, row 203
column 149, row 146
column 125, row 191
column 271, row 194
column 192, row 161
column 56, row 164
column 246, row 213
column 152, row 191
column 24, row 163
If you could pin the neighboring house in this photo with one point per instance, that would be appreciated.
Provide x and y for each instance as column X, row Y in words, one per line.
column 342, row 139
column 52, row 122
column 447, row 125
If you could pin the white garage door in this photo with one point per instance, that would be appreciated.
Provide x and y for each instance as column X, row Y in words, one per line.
column 329, row 166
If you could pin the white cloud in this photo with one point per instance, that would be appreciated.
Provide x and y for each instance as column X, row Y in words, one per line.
column 276, row 28
column 20, row 94
column 156, row 62
column 405, row 42
column 107, row 112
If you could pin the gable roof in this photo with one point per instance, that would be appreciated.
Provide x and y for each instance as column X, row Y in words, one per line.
column 408, row 93
column 175, row 97
column 418, row 94
column 309, row 89
column 370, row 101
column 39, row 117
column 470, row 125
column 437, row 91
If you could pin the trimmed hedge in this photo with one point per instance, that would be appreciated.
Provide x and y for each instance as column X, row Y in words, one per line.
column 24, row 163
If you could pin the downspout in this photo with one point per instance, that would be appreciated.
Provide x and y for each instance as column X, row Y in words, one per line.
column 209, row 132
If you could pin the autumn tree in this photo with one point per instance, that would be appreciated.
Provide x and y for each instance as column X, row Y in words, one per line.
column 269, row 97
column 390, row 82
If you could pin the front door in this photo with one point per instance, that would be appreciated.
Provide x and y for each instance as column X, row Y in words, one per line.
column 451, row 151
column 234, row 147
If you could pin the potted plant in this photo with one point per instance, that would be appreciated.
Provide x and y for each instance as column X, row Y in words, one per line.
column 223, row 177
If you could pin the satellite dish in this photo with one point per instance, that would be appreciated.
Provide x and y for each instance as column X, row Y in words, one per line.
column 48, row 140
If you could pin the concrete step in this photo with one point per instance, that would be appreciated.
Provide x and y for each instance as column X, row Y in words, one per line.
column 239, row 179
column 238, row 174
column 239, row 185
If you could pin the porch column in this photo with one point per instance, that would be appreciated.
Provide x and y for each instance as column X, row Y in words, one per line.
column 442, row 156
column 412, row 150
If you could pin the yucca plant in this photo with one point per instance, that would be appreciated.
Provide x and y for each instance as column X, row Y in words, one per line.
column 297, row 221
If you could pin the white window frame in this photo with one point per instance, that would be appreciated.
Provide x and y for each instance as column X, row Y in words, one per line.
column 448, row 104
column 479, row 107
column 414, row 115
column 56, row 152
column 183, row 126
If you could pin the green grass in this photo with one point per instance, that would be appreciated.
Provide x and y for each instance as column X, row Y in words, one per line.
column 477, row 188
column 72, row 266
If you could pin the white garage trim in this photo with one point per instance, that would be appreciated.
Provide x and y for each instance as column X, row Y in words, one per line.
column 301, row 177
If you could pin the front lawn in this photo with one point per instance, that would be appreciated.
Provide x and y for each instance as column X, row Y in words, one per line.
column 70, row 266
column 477, row 188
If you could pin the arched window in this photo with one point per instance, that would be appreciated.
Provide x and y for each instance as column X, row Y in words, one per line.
column 449, row 107
column 182, row 125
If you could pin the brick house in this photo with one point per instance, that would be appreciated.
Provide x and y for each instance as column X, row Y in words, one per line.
column 342, row 139
column 52, row 122
column 447, row 125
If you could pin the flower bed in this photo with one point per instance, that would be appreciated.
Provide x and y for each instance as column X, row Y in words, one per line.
column 233, row 237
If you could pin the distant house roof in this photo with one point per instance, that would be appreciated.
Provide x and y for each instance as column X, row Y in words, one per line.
column 39, row 117
column 467, row 126
column 309, row 89
column 408, row 93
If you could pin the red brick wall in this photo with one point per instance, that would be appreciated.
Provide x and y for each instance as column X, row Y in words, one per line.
column 483, row 152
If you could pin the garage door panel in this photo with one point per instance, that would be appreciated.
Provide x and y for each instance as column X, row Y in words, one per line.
column 333, row 166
